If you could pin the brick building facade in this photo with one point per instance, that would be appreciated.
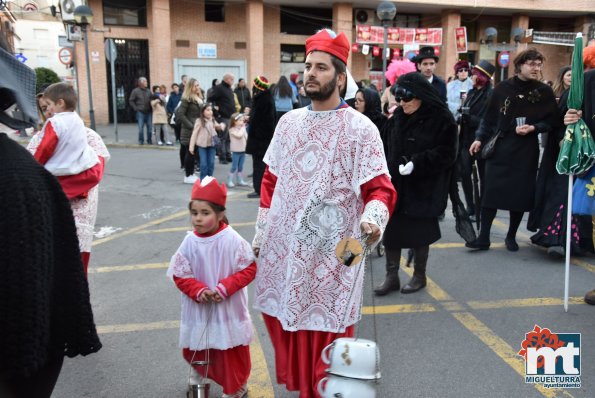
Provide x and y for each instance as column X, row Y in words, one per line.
column 250, row 38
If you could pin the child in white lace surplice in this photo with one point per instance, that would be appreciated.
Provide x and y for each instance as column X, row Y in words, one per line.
column 212, row 268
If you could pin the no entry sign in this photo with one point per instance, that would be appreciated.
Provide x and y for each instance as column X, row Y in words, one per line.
column 504, row 59
column 65, row 55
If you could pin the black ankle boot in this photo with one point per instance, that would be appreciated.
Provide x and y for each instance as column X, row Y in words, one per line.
column 511, row 244
column 391, row 282
column 478, row 244
column 415, row 283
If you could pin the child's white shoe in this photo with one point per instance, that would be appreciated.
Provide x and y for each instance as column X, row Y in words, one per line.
column 241, row 393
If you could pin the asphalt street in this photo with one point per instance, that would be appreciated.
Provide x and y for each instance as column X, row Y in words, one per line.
column 457, row 338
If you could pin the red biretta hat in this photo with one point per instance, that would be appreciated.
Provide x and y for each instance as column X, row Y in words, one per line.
column 209, row 190
column 329, row 42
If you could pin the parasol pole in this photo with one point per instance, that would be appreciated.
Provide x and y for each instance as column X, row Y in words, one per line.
column 568, row 248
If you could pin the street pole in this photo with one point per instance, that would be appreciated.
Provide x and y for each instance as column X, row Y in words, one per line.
column 91, row 110
column 385, row 46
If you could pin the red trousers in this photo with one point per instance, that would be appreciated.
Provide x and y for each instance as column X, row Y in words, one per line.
column 229, row 368
column 85, row 256
column 297, row 356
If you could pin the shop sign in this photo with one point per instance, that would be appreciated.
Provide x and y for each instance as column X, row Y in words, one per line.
column 207, row 50
column 461, row 39
column 367, row 34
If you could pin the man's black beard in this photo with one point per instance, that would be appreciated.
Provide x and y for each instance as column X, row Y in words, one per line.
column 326, row 91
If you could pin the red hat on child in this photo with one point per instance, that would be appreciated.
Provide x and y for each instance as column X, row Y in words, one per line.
column 209, row 190
column 329, row 42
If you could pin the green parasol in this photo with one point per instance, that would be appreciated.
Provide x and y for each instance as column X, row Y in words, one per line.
column 577, row 154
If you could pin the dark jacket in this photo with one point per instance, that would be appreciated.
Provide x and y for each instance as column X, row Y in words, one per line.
column 510, row 173
column 189, row 111
column 44, row 295
column 262, row 123
column 244, row 97
column 140, row 100
column 440, row 85
column 172, row 102
column 476, row 101
column 428, row 138
column 222, row 97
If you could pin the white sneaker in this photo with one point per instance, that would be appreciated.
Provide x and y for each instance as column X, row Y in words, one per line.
column 191, row 179
column 169, row 143
column 160, row 143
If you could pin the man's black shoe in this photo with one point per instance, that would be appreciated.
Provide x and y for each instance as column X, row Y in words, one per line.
column 253, row 195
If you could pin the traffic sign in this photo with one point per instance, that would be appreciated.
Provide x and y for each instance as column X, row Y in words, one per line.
column 111, row 52
column 65, row 55
column 504, row 59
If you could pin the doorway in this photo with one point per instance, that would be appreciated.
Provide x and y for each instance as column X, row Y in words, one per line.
column 132, row 62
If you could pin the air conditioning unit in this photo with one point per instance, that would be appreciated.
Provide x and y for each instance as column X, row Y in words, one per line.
column 362, row 16
column 67, row 9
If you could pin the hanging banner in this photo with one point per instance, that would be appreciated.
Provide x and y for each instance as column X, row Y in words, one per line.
column 461, row 39
column 367, row 34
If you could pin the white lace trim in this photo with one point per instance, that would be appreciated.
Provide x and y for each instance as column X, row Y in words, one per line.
column 83, row 210
column 261, row 222
column 376, row 213
column 320, row 160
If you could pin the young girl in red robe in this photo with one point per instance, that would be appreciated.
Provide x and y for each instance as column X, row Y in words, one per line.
column 212, row 268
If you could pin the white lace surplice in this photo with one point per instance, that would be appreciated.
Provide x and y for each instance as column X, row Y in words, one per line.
column 83, row 210
column 320, row 159
column 210, row 260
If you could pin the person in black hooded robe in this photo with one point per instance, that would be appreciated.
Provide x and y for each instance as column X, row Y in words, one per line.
column 421, row 151
column 367, row 101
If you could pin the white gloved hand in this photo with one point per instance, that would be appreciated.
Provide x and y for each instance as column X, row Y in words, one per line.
column 406, row 169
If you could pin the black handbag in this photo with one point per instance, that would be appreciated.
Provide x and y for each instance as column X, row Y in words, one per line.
column 490, row 146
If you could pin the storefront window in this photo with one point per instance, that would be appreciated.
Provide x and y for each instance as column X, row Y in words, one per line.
column 126, row 12
column 305, row 21
column 214, row 11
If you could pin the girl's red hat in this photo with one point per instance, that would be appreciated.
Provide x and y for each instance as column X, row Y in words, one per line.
column 209, row 190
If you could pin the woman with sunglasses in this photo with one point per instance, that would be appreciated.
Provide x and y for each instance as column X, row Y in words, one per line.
column 457, row 89
column 421, row 150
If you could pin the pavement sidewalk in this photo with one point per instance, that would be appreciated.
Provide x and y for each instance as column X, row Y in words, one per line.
column 127, row 136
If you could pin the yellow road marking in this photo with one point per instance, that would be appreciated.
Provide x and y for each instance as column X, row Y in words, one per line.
column 573, row 260
column 140, row 227
column 187, row 228
column 582, row 264
column 132, row 267
column 524, row 302
column 452, row 306
column 259, row 383
column 137, row 327
column 502, row 349
column 432, row 288
column 398, row 309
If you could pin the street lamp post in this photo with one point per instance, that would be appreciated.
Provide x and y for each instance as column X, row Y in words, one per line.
column 84, row 17
column 386, row 12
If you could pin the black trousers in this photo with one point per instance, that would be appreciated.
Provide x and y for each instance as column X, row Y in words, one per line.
column 38, row 385
column 188, row 161
column 258, row 167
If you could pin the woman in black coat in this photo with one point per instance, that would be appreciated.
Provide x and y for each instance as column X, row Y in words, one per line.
column 472, row 111
column 510, row 173
column 421, row 150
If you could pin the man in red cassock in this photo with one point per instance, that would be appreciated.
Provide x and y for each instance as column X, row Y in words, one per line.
column 326, row 180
